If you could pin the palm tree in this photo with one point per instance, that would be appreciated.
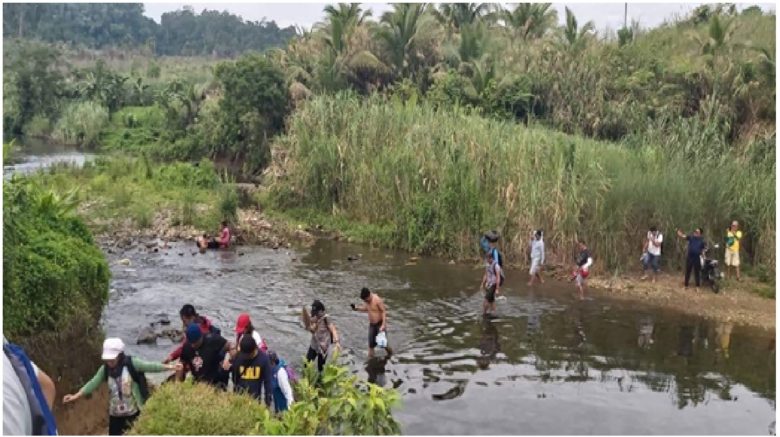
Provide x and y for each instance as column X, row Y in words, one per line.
column 575, row 37
column 530, row 20
column 340, row 24
column 454, row 16
column 398, row 30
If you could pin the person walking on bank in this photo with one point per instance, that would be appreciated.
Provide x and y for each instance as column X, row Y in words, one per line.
column 537, row 257
column 696, row 246
column 377, row 319
column 323, row 334
column 733, row 236
column 127, row 386
column 652, row 249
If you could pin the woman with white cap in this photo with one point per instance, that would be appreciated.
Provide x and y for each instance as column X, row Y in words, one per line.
column 127, row 385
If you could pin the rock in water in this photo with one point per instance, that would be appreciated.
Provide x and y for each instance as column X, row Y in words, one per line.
column 148, row 335
column 124, row 262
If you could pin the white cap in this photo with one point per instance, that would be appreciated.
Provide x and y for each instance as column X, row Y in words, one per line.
column 112, row 347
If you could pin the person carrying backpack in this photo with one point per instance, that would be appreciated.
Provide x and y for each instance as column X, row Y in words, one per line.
column 127, row 386
column 282, row 389
column 28, row 395
column 493, row 278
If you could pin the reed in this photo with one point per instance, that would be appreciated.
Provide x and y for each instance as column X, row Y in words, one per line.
column 439, row 177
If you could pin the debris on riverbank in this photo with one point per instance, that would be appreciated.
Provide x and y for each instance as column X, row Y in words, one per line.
column 253, row 227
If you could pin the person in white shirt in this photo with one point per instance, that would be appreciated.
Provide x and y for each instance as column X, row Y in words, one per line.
column 537, row 257
column 283, row 393
column 652, row 248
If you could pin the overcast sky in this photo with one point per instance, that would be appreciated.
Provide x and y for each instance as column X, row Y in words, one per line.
column 604, row 15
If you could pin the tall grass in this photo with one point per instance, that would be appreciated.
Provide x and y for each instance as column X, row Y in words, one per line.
column 81, row 123
column 440, row 177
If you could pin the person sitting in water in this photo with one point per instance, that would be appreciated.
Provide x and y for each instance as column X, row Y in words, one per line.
column 224, row 237
column 205, row 242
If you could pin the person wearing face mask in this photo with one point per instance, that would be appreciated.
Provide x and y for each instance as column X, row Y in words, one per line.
column 127, row 386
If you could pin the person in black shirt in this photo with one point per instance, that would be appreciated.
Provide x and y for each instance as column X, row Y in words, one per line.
column 203, row 354
column 696, row 246
column 252, row 372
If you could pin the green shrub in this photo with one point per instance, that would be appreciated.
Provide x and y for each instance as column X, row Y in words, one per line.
column 197, row 409
column 439, row 176
column 81, row 123
column 336, row 404
column 228, row 203
column 38, row 126
column 53, row 272
column 143, row 215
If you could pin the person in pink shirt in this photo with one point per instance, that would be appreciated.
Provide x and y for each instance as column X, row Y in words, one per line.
column 224, row 238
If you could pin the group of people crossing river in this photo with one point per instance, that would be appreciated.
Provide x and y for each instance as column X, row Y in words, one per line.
column 247, row 362
column 254, row 367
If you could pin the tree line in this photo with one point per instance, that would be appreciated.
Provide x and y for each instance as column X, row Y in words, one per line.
column 183, row 32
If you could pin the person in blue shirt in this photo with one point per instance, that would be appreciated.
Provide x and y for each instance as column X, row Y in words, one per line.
column 696, row 246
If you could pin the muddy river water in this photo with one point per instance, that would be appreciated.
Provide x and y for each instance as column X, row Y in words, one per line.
column 549, row 364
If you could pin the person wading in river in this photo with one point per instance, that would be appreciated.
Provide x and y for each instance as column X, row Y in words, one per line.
column 493, row 278
column 323, row 334
column 127, row 385
column 582, row 270
column 537, row 257
column 189, row 315
column 377, row 318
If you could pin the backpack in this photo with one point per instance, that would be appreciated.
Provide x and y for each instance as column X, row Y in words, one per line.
column 42, row 418
column 291, row 375
column 138, row 377
column 496, row 253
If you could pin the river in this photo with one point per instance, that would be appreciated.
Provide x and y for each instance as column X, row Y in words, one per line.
column 549, row 364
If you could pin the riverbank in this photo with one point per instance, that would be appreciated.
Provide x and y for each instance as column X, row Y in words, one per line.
column 737, row 302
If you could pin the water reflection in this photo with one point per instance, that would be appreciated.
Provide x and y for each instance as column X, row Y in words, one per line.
column 546, row 345
column 488, row 344
column 646, row 328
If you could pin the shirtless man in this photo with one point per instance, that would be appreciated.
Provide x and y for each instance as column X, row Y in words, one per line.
column 377, row 317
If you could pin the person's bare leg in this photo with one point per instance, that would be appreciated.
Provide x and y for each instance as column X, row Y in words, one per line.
column 738, row 278
column 539, row 275
column 370, row 352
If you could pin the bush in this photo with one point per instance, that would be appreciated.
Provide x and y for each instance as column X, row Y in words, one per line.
column 53, row 272
column 335, row 404
column 81, row 124
column 197, row 409
column 39, row 126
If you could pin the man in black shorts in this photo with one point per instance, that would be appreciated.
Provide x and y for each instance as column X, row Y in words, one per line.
column 377, row 318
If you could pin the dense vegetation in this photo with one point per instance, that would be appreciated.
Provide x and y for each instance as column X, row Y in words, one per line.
column 136, row 190
column 53, row 274
column 430, row 179
column 182, row 32
column 334, row 404
column 692, row 100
